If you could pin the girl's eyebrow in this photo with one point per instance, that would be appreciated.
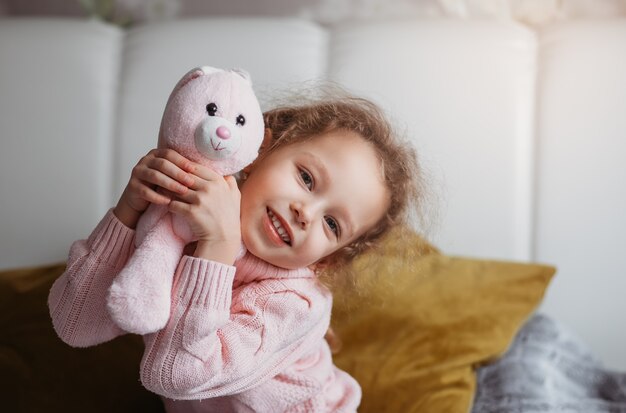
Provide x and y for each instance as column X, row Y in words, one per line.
column 320, row 168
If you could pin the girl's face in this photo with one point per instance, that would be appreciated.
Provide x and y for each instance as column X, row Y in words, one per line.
column 306, row 200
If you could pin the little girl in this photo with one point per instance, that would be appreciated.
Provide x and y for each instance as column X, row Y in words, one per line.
column 247, row 325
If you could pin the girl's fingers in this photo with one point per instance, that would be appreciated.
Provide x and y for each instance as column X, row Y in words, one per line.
column 174, row 157
column 156, row 177
column 187, row 198
column 231, row 181
column 148, row 194
column 194, row 194
column 170, row 168
column 179, row 207
column 169, row 194
column 204, row 173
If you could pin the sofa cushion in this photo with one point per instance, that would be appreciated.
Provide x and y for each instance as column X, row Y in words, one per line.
column 580, row 196
column 58, row 83
column 420, row 322
column 40, row 373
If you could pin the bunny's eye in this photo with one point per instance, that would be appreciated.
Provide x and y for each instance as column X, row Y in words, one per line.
column 211, row 109
column 241, row 120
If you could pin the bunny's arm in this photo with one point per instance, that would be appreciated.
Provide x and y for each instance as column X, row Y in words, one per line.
column 140, row 296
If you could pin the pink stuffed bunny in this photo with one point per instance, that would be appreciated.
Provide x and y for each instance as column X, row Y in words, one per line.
column 212, row 117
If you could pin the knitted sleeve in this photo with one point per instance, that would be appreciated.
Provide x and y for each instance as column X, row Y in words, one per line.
column 214, row 346
column 77, row 299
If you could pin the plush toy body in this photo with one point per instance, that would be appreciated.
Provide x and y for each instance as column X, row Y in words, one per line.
column 213, row 118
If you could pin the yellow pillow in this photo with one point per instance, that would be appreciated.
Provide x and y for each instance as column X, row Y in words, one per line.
column 413, row 334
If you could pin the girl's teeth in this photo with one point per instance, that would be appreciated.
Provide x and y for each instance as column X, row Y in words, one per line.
column 279, row 228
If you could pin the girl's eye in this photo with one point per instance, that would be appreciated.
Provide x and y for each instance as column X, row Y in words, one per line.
column 241, row 120
column 306, row 178
column 211, row 109
column 332, row 224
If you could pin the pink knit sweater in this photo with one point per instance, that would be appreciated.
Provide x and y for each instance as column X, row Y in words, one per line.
column 242, row 338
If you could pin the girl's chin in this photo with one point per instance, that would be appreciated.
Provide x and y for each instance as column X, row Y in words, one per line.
column 276, row 261
column 259, row 246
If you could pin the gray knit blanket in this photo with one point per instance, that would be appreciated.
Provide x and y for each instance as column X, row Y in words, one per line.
column 547, row 369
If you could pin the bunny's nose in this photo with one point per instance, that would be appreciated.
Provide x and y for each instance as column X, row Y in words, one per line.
column 223, row 132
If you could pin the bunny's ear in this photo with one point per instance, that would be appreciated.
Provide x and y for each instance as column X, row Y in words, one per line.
column 207, row 70
column 243, row 73
column 193, row 74
column 189, row 76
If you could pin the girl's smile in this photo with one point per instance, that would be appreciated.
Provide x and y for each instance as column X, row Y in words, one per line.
column 306, row 200
column 277, row 229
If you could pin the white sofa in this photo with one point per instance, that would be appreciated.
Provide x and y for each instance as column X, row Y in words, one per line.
column 522, row 133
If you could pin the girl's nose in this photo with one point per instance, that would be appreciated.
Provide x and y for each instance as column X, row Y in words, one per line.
column 302, row 214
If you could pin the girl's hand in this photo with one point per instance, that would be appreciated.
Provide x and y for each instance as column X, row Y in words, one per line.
column 160, row 168
column 211, row 208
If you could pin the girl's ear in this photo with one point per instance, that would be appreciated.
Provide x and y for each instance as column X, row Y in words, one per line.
column 267, row 142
